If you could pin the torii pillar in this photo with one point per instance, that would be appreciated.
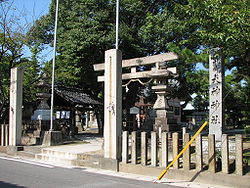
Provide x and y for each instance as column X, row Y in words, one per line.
column 113, row 104
column 15, row 113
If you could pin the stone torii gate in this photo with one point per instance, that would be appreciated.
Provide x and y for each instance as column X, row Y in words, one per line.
column 113, row 92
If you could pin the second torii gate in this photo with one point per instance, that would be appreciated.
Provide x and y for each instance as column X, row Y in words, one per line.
column 113, row 92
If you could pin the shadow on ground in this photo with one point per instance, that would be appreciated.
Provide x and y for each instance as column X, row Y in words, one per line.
column 8, row 185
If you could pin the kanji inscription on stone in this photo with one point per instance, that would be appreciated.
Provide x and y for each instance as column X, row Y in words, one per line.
column 216, row 84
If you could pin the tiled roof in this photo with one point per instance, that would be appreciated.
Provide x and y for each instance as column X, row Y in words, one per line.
column 76, row 96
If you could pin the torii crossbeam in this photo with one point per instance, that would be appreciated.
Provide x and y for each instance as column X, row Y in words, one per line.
column 135, row 62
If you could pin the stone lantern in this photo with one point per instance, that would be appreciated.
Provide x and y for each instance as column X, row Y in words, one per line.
column 42, row 113
column 162, row 90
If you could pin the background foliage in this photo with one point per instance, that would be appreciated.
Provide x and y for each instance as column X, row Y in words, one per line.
column 86, row 28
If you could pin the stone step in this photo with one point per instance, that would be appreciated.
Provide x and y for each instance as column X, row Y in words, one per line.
column 32, row 149
column 53, row 156
column 26, row 155
column 96, row 161
column 56, row 156
column 59, row 154
column 73, row 159
column 55, row 159
column 29, row 152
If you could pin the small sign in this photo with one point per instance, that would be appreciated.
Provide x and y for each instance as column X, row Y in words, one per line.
column 134, row 110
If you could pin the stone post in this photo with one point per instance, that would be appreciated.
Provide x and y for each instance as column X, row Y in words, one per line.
column 2, row 135
column 16, row 99
column 52, row 138
column 144, row 148
column 134, row 147
column 239, row 154
column 224, row 154
column 198, row 152
column 6, row 135
column 184, row 131
column 164, row 149
column 216, row 85
column 87, row 119
column 113, row 104
column 186, row 154
column 211, row 153
column 125, row 136
column 153, row 149
column 175, row 138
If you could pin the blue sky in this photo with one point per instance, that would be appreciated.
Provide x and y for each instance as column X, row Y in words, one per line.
column 33, row 9
column 28, row 11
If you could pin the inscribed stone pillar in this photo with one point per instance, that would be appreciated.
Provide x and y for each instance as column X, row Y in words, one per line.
column 15, row 113
column 113, row 104
column 216, row 84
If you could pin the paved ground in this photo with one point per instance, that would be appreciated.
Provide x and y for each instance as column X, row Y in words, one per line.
column 88, row 143
column 85, row 144
column 93, row 144
column 15, row 173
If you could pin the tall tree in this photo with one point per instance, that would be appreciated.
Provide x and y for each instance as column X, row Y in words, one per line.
column 190, row 28
column 202, row 25
column 12, row 41
column 86, row 28
column 10, row 53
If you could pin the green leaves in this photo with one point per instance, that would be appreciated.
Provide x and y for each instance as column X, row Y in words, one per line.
column 86, row 28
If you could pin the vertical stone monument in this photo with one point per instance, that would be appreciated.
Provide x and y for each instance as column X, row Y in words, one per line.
column 15, row 113
column 216, row 90
column 113, row 104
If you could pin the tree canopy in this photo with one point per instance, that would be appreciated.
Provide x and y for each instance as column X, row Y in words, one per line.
column 86, row 28
column 12, row 41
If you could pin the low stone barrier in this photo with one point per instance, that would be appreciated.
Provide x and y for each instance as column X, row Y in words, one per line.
column 4, row 135
column 204, row 154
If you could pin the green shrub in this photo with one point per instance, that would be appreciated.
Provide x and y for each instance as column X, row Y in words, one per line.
column 247, row 129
